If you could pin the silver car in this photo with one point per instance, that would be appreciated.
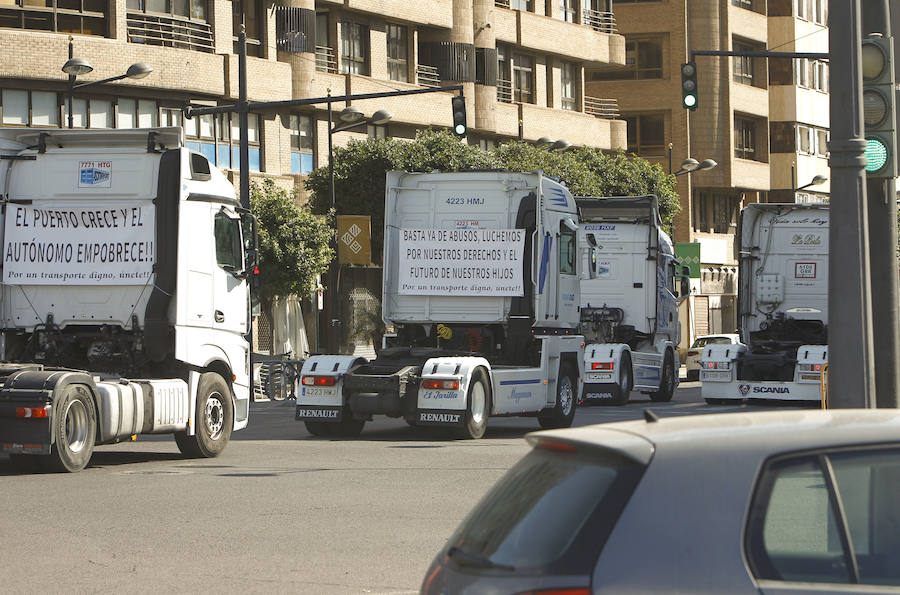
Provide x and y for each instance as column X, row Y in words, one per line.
column 767, row 502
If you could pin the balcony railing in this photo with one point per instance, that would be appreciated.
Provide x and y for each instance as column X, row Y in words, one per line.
column 601, row 108
column 504, row 90
column 325, row 60
column 602, row 21
column 501, row 3
column 170, row 32
column 427, row 76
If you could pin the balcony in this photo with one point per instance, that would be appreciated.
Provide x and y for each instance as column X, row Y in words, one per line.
column 598, row 20
column 504, row 91
column 325, row 59
column 427, row 76
column 601, row 108
column 169, row 31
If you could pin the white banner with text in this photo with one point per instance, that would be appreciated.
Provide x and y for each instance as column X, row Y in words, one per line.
column 109, row 245
column 462, row 262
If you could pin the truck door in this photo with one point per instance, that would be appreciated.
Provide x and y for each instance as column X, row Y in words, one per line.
column 230, row 291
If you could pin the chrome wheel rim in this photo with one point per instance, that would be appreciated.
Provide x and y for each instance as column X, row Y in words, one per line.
column 566, row 396
column 478, row 401
column 215, row 415
column 76, row 417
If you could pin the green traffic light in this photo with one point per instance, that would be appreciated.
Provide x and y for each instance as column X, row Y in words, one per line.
column 876, row 154
column 690, row 100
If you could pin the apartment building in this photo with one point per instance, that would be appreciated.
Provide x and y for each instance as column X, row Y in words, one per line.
column 764, row 122
column 521, row 64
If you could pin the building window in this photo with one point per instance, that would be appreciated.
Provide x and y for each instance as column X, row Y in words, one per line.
column 820, row 12
column 715, row 213
column 568, row 9
column 354, row 45
column 802, row 9
column 743, row 65
column 217, row 137
column 569, row 86
column 377, row 131
column 302, row 160
column 745, row 138
column 170, row 116
column 504, row 75
column 252, row 14
column 523, row 78
column 397, row 48
column 85, row 17
column 748, row 4
column 821, row 142
column 30, row 108
column 805, row 142
column 522, row 5
column 820, row 75
column 701, row 218
column 801, row 70
column 646, row 134
column 643, row 60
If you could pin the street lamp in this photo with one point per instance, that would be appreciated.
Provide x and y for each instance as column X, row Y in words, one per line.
column 350, row 117
column 690, row 165
column 555, row 145
column 78, row 66
column 816, row 181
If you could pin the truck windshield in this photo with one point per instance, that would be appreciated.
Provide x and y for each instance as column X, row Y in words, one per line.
column 548, row 503
column 228, row 242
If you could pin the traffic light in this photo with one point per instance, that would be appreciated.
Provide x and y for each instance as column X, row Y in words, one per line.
column 459, row 115
column 689, row 86
column 879, row 114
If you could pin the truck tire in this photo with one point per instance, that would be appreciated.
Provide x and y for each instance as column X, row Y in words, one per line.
column 318, row 428
column 478, row 406
column 347, row 428
column 213, row 419
column 666, row 382
column 623, row 387
column 563, row 413
column 75, row 426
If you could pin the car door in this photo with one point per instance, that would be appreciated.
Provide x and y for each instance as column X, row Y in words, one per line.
column 827, row 522
column 230, row 291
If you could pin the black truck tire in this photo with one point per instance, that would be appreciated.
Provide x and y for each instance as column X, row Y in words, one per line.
column 348, row 427
column 213, row 420
column 622, row 392
column 562, row 414
column 666, row 381
column 75, row 426
column 318, row 428
column 478, row 406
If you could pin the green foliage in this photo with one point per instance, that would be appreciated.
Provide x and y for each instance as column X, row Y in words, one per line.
column 293, row 243
column 360, row 168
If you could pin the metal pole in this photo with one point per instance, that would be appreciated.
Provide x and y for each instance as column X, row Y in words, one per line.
column 334, row 298
column 70, row 91
column 243, row 120
column 850, row 342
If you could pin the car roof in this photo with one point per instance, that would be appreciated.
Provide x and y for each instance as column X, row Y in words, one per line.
column 757, row 434
column 723, row 335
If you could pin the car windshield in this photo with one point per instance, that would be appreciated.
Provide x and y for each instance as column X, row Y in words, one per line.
column 704, row 341
column 532, row 515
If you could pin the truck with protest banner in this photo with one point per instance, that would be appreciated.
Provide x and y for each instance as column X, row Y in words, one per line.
column 125, row 298
column 630, row 290
column 481, row 288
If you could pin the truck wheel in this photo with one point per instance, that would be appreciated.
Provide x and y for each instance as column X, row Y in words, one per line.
column 623, row 387
column 75, row 426
column 478, row 406
column 213, row 421
column 347, row 428
column 563, row 413
column 318, row 428
column 667, row 382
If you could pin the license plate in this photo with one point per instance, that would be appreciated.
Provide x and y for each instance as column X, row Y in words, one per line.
column 599, row 376
column 318, row 391
column 814, row 377
column 716, row 375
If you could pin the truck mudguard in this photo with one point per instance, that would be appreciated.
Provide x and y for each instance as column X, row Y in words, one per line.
column 34, row 389
column 446, row 405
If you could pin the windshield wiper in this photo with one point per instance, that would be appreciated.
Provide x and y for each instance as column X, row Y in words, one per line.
column 472, row 559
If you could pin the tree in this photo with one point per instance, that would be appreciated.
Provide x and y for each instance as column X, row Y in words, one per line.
column 293, row 243
column 360, row 168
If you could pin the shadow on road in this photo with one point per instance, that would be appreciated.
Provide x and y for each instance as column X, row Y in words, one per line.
column 99, row 459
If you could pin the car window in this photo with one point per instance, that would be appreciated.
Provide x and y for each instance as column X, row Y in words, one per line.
column 704, row 341
column 537, row 511
column 830, row 518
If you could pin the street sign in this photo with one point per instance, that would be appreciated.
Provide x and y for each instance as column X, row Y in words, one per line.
column 689, row 255
column 354, row 233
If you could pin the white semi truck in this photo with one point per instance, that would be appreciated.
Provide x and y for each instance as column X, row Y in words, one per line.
column 782, row 309
column 631, row 284
column 481, row 286
column 125, row 298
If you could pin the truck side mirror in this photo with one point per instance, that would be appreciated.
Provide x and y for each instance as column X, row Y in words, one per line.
column 685, row 282
column 251, row 242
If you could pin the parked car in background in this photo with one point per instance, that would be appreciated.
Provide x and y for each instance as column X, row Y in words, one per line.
column 692, row 357
column 763, row 502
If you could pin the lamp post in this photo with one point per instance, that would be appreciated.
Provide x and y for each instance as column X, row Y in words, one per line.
column 690, row 165
column 78, row 66
column 816, row 181
column 350, row 117
column 559, row 145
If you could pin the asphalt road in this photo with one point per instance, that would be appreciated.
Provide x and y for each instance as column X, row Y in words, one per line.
column 279, row 511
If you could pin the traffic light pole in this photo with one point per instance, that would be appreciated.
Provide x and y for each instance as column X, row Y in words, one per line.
column 851, row 377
